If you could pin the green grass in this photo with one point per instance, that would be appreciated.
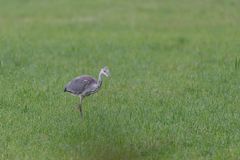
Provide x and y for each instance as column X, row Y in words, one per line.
column 174, row 91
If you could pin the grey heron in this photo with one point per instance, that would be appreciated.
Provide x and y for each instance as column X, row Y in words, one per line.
column 86, row 85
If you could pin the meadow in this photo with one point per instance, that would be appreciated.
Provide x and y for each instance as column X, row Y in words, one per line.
column 174, row 91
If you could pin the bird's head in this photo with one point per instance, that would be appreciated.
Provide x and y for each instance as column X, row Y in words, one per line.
column 105, row 71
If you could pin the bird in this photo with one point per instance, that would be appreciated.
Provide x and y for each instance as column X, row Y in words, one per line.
column 85, row 85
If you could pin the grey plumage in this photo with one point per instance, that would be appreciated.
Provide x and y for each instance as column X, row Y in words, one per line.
column 83, row 86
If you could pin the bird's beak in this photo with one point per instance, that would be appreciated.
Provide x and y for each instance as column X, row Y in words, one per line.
column 107, row 75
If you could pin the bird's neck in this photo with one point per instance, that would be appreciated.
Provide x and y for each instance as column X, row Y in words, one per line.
column 99, row 82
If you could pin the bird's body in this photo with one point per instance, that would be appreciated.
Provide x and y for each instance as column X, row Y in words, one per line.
column 82, row 85
column 85, row 85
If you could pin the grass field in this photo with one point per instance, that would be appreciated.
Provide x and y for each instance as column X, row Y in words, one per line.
column 174, row 92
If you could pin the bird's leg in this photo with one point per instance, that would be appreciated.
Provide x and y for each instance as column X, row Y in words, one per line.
column 80, row 107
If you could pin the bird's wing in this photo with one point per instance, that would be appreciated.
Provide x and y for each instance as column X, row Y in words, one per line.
column 77, row 85
column 84, row 83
